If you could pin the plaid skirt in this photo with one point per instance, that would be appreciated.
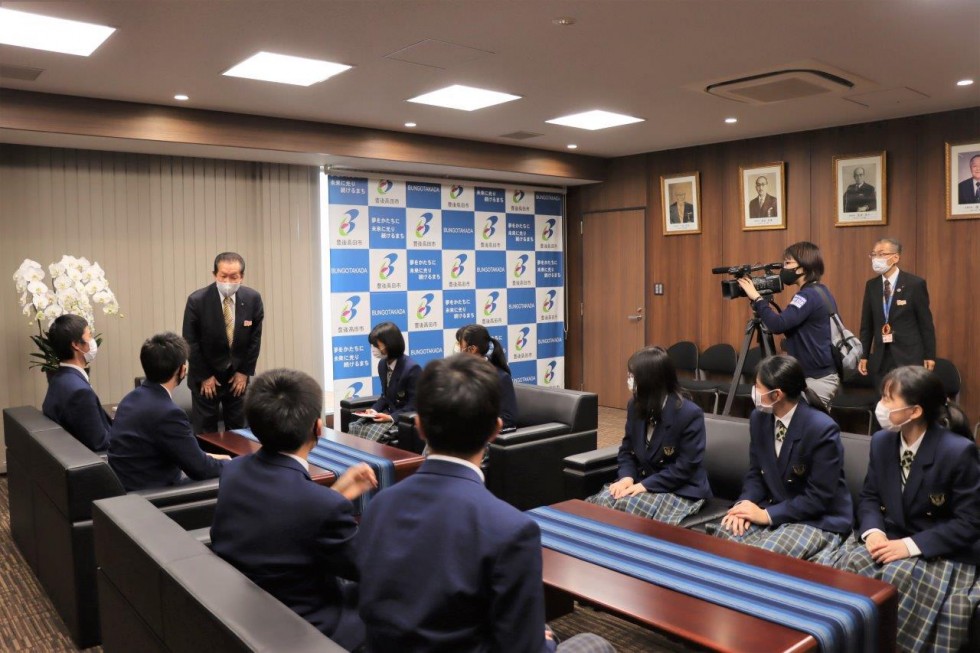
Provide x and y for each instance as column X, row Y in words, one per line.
column 936, row 598
column 374, row 431
column 661, row 506
column 796, row 540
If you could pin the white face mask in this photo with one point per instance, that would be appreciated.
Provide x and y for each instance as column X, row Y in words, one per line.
column 630, row 383
column 884, row 417
column 93, row 349
column 228, row 289
column 880, row 265
column 757, row 398
column 376, row 352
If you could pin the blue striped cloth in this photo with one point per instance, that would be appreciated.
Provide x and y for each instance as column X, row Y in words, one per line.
column 337, row 458
column 839, row 620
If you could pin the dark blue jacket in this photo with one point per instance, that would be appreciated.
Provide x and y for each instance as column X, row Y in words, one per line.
column 446, row 566
column 151, row 442
column 805, row 485
column 674, row 460
column 508, row 400
column 291, row 537
column 73, row 404
column 806, row 323
column 398, row 395
column 940, row 507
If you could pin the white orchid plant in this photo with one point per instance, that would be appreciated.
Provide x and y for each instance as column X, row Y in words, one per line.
column 79, row 287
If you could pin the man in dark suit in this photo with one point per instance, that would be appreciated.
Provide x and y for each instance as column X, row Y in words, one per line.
column 151, row 443
column 764, row 205
column 969, row 188
column 896, row 323
column 290, row 536
column 446, row 566
column 70, row 400
column 860, row 196
column 681, row 211
column 223, row 326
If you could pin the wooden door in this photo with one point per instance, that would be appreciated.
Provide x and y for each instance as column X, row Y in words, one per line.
column 614, row 308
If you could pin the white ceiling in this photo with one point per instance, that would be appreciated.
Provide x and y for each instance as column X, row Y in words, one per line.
column 647, row 58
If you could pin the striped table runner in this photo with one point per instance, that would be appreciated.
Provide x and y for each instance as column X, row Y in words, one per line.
column 839, row 620
column 337, row 458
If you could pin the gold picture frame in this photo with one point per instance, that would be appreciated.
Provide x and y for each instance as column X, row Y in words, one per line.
column 861, row 189
column 762, row 196
column 962, row 170
column 680, row 201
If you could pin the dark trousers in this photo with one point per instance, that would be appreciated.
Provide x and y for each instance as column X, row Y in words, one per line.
column 887, row 365
column 224, row 405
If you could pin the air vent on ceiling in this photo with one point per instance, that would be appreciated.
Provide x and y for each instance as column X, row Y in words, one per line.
column 780, row 85
column 24, row 73
column 521, row 136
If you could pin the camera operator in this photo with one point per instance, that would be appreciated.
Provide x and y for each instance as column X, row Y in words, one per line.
column 805, row 321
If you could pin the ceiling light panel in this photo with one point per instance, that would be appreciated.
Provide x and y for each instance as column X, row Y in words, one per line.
column 593, row 120
column 286, row 69
column 464, row 98
column 26, row 30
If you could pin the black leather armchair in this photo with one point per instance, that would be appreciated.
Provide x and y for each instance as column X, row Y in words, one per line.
column 162, row 590
column 56, row 479
column 350, row 406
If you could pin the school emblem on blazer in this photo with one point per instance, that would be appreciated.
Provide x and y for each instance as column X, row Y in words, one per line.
column 937, row 499
column 669, row 451
column 247, row 323
column 401, row 395
column 799, row 469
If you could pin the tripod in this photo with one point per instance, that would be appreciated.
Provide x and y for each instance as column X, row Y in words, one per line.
column 754, row 328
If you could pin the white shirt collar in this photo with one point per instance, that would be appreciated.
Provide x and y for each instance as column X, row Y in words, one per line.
column 168, row 390
column 891, row 277
column 392, row 363
column 458, row 461
column 904, row 447
column 785, row 419
column 302, row 461
column 76, row 367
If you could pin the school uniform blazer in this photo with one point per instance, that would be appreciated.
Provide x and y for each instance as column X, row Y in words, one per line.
column 290, row 536
column 397, row 395
column 471, row 579
column 909, row 316
column 73, row 404
column 508, row 399
column 204, row 331
column 940, row 507
column 151, row 442
column 805, row 485
column 674, row 460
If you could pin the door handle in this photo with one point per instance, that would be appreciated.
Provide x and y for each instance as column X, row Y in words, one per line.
column 634, row 318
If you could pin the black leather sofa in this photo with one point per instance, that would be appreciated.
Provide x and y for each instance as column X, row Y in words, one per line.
column 162, row 590
column 53, row 480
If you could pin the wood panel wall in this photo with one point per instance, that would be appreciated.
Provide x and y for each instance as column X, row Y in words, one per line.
column 946, row 253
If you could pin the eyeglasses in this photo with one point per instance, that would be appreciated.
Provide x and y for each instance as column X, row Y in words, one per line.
column 881, row 254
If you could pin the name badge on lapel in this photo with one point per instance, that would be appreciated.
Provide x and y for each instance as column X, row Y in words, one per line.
column 247, row 323
column 799, row 470
column 669, row 451
column 901, row 302
column 937, row 499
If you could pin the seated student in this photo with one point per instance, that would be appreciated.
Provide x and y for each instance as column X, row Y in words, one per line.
column 475, row 339
column 151, row 443
column 445, row 565
column 290, row 536
column 919, row 512
column 70, row 400
column 661, row 475
column 398, row 374
column 794, row 499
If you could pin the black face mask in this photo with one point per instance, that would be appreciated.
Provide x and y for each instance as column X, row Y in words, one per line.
column 788, row 276
column 180, row 379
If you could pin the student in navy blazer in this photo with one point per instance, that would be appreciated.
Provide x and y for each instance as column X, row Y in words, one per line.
column 399, row 375
column 475, row 339
column 70, row 400
column 661, row 459
column 290, row 536
column 151, row 443
column 801, row 486
column 445, row 565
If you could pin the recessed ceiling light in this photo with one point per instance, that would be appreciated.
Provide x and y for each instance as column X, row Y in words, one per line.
column 28, row 30
column 464, row 98
column 731, row 121
column 593, row 120
column 285, row 69
column 180, row 97
column 572, row 146
column 964, row 82
column 410, row 124
column 564, row 21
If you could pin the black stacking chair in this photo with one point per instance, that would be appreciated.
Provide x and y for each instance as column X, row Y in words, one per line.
column 684, row 356
column 950, row 376
column 744, row 389
column 716, row 366
column 856, row 395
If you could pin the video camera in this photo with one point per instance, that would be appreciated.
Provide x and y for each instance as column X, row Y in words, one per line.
column 765, row 284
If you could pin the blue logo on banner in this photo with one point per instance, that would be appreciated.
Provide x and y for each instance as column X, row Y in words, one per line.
column 520, row 306
column 458, row 266
column 525, row 372
column 549, row 301
column 457, row 230
column 491, row 269
column 424, row 269
column 549, row 230
column 547, row 203
column 348, row 190
column 518, row 196
column 386, row 224
column 350, row 270
column 384, row 185
column 490, row 306
column 387, row 266
column 353, row 390
column 522, row 340
column 349, row 310
column 549, row 372
column 521, row 266
column 419, row 195
column 425, row 346
column 390, row 307
column 351, row 359
column 490, row 199
column 425, row 306
column 347, row 225
column 422, row 226
column 549, row 272
column 520, row 231
column 551, row 340
column 458, row 308
column 455, row 191
column 490, row 227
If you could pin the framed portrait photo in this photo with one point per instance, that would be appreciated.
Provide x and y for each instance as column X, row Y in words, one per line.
column 681, row 202
column 762, row 190
column 962, row 181
column 859, row 186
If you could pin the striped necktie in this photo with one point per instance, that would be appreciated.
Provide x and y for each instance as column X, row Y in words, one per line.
column 226, row 308
column 907, row 458
column 780, row 431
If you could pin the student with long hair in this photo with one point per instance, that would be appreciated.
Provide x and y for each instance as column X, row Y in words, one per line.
column 919, row 512
column 399, row 375
column 475, row 339
column 661, row 471
column 794, row 499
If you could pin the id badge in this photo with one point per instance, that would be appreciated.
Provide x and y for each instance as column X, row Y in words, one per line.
column 887, row 337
